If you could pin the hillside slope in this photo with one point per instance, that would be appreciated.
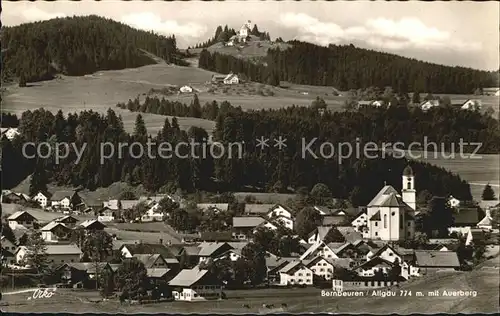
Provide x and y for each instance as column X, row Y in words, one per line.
column 77, row 46
column 348, row 67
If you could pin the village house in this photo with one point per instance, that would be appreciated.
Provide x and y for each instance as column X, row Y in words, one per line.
column 320, row 267
column 156, row 266
column 319, row 249
column 453, row 202
column 14, row 197
column 57, row 253
column 153, row 214
column 186, row 89
column 374, row 103
column 195, row 285
column 8, row 251
column 131, row 250
column 106, row 215
column 494, row 91
column 374, row 266
column 216, row 208
column 487, row 222
column 83, row 273
column 429, row 104
column 216, row 236
column 360, row 221
column 295, row 273
column 65, row 199
column 21, row 219
column 231, row 79
column 243, row 226
column 279, row 210
column 92, row 224
column 356, row 282
column 390, row 216
column 469, row 104
column 318, row 234
column 9, row 132
column 274, row 264
column 465, row 216
column 55, row 231
column 67, row 220
column 42, row 198
column 212, row 251
column 431, row 260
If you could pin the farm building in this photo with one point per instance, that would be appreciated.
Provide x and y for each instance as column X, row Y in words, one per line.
column 433, row 260
column 186, row 89
column 55, row 253
column 55, row 231
column 296, row 273
column 10, row 132
column 21, row 219
column 42, row 198
column 195, row 285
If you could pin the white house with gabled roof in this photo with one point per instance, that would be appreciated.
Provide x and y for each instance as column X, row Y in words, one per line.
column 295, row 273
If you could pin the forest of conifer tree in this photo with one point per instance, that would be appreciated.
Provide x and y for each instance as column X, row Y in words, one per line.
column 77, row 46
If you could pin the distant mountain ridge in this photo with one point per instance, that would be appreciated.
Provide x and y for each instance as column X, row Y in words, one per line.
column 77, row 46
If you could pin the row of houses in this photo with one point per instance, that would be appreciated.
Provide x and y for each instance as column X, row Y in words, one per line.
column 468, row 104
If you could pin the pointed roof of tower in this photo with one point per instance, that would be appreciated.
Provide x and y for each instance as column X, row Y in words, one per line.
column 408, row 171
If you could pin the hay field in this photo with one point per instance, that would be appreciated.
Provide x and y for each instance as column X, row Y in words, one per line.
column 104, row 90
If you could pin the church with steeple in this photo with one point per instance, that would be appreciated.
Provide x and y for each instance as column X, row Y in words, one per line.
column 391, row 216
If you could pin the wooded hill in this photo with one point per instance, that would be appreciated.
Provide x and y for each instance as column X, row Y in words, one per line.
column 77, row 46
column 348, row 67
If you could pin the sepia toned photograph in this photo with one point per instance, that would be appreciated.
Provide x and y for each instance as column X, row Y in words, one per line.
column 250, row 157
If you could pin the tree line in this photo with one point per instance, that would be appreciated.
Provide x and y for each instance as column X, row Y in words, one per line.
column 77, row 46
column 268, row 170
column 347, row 67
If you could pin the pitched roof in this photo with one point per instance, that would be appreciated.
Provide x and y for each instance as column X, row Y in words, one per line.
column 381, row 195
column 91, row 222
column 50, row 226
column 408, row 171
column 320, row 232
column 147, row 259
column 341, row 262
column 188, row 277
column 117, row 244
column 393, row 200
column 332, row 220
column 238, row 244
column 66, row 219
column 47, row 194
column 486, row 221
column 207, row 249
column 89, row 267
column 349, row 233
column 192, row 250
column 247, row 221
column 156, row 272
column 466, row 216
column 149, row 249
column 258, row 208
column 63, row 250
column 437, row 259
column 375, row 262
column 61, row 194
column 206, row 206
column 18, row 214
column 291, row 265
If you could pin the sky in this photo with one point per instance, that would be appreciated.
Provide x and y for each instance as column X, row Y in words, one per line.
column 452, row 33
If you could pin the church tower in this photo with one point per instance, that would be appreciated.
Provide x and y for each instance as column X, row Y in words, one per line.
column 408, row 191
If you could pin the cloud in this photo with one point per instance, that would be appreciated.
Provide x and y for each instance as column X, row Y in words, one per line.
column 151, row 22
column 382, row 33
column 34, row 14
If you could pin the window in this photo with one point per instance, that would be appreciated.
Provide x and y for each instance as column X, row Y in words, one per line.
column 376, row 233
column 308, row 274
column 408, row 185
column 401, row 220
column 329, row 270
column 391, row 254
column 299, row 280
column 72, row 260
column 409, row 224
column 321, row 270
column 376, row 223
column 385, row 220
column 300, row 274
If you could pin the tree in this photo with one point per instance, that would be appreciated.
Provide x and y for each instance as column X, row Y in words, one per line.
column 321, row 194
column 424, row 197
column 22, row 81
column 334, row 235
column 264, row 237
column 38, row 181
column 307, row 220
column 140, row 131
column 8, row 233
column 166, row 205
column 98, row 246
column 255, row 257
column 36, row 252
column 440, row 217
column 395, row 271
column 415, row 98
column 127, row 195
column 488, row 193
column 319, row 104
column 420, row 240
column 107, row 284
column 131, row 279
